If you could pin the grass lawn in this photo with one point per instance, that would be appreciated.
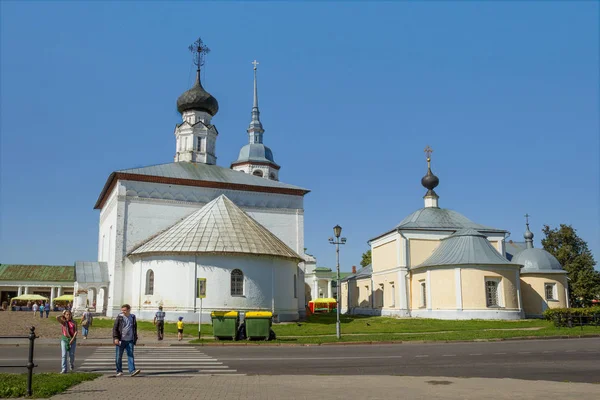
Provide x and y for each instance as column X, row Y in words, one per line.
column 170, row 327
column 43, row 385
column 320, row 328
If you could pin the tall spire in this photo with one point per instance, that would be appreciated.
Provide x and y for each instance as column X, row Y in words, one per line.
column 430, row 181
column 255, row 130
column 528, row 235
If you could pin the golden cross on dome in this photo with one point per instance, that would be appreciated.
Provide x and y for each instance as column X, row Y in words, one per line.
column 527, row 218
column 428, row 151
column 255, row 63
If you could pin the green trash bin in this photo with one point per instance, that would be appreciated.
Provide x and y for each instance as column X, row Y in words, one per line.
column 225, row 324
column 258, row 324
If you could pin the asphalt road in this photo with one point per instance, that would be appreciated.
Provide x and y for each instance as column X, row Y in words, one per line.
column 575, row 360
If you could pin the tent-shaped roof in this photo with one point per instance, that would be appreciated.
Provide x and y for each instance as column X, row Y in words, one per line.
column 465, row 247
column 218, row 227
column 538, row 261
column 91, row 272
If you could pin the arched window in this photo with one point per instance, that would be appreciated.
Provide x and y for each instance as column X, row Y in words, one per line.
column 258, row 172
column 150, row 282
column 237, row 283
column 295, row 288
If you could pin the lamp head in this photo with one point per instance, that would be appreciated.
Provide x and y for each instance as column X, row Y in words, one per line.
column 337, row 231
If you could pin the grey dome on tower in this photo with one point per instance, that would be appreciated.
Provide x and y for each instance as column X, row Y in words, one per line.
column 430, row 181
column 197, row 99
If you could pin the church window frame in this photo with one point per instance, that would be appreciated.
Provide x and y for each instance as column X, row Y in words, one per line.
column 392, row 295
column 199, row 144
column 149, row 283
column 423, row 297
column 295, row 287
column 493, row 292
column 258, row 173
column 550, row 291
column 237, row 282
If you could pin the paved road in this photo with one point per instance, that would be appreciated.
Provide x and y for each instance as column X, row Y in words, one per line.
column 575, row 360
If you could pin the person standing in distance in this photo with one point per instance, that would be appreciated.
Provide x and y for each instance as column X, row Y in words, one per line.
column 159, row 321
column 125, row 337
column 68, row 340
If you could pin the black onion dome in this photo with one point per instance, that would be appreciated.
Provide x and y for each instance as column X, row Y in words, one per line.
column 197, row 99
column 430, row 181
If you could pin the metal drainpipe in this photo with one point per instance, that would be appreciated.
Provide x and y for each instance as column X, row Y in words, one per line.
column 407, row 274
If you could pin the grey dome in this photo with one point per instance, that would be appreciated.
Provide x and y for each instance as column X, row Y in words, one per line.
column 537, row 261
column 441, row 218
column 197, row 99
column 465, row 247
column 255, row 152
column 430, row 181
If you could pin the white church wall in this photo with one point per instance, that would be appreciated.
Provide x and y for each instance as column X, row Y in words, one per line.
column 268, row 282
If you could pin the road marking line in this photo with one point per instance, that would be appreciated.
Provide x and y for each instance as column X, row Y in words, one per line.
column 571, row 351
column 449, row 355
column 423, row 355
column 476, row 354
column 499, row 354
column 524, row 352
column 548, row 352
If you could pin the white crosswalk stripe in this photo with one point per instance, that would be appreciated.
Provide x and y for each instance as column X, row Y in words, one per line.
column 158, row 361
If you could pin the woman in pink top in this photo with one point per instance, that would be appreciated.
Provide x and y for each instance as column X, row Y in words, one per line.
column 67, row 340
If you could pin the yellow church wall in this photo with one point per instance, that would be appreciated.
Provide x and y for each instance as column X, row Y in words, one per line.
column 473, row 287
column 421, row 249
column 344, row 295
column 443, row 289
column 364, row 293
column 415, row 288
column 385, row 256
column 497, row 245
column 534, row 295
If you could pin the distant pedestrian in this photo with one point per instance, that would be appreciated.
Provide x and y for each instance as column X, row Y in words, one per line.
column 47, row 308
column 42, row 310
column 86, row 322
column 180, row 329
column 34, row 307
column 68, row 340
column 125, row 338
column 159, row 321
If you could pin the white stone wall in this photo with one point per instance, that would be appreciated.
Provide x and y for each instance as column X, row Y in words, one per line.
column 268, row 285
column 136, row 211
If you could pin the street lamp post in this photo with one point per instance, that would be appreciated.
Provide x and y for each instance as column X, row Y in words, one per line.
column 337, row 231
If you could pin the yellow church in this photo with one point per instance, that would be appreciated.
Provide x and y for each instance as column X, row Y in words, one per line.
column 437, row 263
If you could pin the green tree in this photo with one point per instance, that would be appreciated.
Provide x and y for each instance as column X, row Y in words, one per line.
column 366, row 258
column 576, row 258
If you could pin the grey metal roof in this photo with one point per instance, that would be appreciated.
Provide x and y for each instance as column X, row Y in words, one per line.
column 538, row 261
column 465, row 247
column 255, row 152
column 433, row 217
column 205, row 172
column 513, row 248
column 91, row 272
column 218, row 227
column 364, row 272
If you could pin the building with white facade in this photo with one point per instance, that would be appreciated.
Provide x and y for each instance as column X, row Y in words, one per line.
column 139, row 206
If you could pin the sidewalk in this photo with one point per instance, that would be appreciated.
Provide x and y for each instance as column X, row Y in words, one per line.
column 92, row 341
column 326, row 387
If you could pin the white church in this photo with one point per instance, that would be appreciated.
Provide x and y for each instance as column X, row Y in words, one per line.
column 163, row 226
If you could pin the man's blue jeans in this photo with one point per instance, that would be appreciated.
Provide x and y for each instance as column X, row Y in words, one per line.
column 128, row 346
column 84, row 330
column 70, row 353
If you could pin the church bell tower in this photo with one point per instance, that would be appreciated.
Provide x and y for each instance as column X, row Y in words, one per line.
column 196, row 137
column 255, row 158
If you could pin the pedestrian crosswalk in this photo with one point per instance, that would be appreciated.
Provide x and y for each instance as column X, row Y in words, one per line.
column 160, row 361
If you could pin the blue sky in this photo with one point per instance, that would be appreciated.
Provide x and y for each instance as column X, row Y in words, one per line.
column 506, row 93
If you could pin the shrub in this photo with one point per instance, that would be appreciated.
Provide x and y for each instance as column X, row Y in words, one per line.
column 573, row 316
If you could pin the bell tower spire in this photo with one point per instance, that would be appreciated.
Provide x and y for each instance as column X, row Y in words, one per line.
column 255, row 130
column 430, row 181
column 255, row 158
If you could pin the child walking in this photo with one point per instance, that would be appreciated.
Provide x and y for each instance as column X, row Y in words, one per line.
column 180, row 329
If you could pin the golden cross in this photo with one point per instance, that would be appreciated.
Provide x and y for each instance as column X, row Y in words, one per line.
column 255, row 63
column 428, row 151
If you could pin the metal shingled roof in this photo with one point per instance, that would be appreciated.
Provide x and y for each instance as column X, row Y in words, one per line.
column 91, row 272
column 50, row 273
column 205, row 172
column 218, row 227
column 433, row 217
column 538, row 261
column 465, row 247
